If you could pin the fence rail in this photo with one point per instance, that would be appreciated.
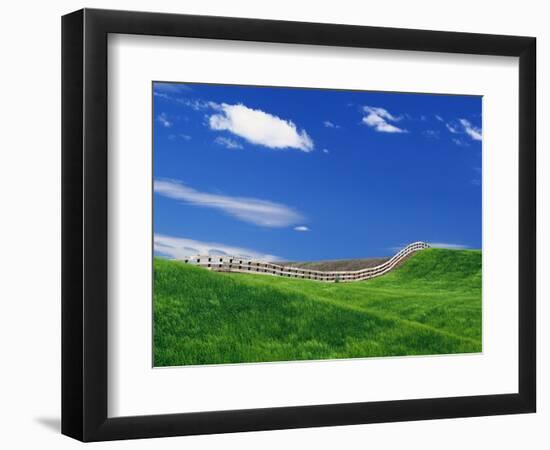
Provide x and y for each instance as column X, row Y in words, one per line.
column 243, row 265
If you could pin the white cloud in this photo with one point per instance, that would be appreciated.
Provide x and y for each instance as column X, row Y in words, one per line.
column 438, row 117
column 171, row 91
column 301, row 228
column 198, row 104
column 260, row 128
column 178, row 94
column 162, row 95
column 227, row 142
column 185, row 137
column 446, row 245
column 329, row 124
column 163, row 119
column 326, row 151
column 378, row 118
column 181, row 248
column 452, row 128
column 472, row 131
column 259, row 212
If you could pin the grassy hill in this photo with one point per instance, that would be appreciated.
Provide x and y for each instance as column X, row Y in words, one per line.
column 429, row 305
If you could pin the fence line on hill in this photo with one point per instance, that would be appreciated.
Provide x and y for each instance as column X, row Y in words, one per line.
column 244, row 265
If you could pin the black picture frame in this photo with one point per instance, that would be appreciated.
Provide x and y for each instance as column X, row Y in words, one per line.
column 84, row 224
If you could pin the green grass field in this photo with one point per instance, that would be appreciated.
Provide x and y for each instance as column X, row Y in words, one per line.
column 430, row 305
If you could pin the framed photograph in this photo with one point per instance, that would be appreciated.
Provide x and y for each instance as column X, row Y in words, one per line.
column 273, row 225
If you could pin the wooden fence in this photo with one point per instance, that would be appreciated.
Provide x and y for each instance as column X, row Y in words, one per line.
column 243, row 265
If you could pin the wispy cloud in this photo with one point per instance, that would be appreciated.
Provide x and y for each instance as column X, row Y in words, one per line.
column 259, row 212
column 463, row 126
column 452, row 128
column 170, row 91
column 162, row 95
column 184, row 137
column 329, row 124
column 198, row 104
column 171, row 88
column 325, row 151
column 438, row 117
column 227, row 142
column 471, row 130
column 180, row 94
column 181, row 248
column 379, row 118
column 260, row 128
column 447, row 245
column 163, row 119
column 301, row 228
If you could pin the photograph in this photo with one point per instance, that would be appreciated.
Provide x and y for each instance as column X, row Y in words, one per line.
column 297, row 224
column 267, row 225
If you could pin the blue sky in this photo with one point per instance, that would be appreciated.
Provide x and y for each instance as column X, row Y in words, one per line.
column 313, row 174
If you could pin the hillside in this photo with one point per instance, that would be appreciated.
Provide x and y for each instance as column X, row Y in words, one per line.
column 430, row 305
